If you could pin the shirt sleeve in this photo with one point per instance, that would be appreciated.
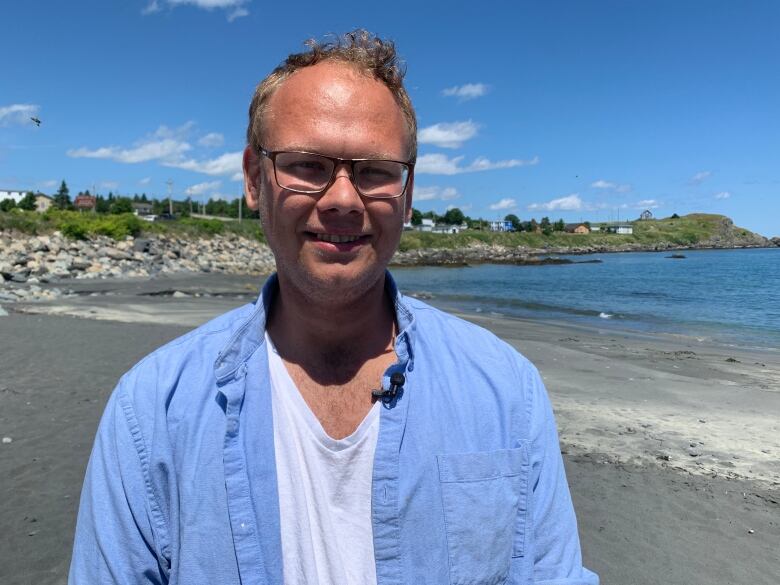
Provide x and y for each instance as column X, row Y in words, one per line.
column 119, row 527
column 557, row 559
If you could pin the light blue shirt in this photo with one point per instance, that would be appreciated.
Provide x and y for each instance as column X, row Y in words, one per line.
column 468, row 482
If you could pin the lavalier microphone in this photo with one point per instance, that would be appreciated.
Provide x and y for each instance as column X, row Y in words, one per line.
column 397, row 380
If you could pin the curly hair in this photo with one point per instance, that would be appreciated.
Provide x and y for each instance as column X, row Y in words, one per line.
column 370, row 54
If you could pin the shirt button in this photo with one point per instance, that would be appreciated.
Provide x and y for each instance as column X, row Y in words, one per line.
column 232, row 426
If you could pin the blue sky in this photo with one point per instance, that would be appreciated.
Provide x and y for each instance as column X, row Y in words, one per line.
column 574, row 110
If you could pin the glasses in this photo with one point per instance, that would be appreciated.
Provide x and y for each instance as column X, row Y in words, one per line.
column 307, row 172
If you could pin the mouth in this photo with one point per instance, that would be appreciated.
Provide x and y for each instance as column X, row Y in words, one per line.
column 328, row 242
column 337, row 238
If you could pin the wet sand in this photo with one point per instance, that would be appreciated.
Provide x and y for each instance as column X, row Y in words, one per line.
column 673, row 457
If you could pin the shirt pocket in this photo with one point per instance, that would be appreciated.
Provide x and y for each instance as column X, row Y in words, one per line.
column 485, row 497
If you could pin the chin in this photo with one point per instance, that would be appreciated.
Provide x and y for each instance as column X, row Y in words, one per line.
column 337, row 283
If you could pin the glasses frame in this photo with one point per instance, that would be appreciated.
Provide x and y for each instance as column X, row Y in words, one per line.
column 350, row 162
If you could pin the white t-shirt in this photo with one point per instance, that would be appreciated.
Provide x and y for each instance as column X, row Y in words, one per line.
column 324, row 490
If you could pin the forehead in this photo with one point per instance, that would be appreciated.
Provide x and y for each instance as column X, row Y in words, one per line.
column 333, row 108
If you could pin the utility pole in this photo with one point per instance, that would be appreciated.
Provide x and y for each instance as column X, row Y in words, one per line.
column 240, row 208
column 169, row 182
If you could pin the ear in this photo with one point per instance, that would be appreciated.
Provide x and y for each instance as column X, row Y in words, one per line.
column 252, row 164
column 408, row 196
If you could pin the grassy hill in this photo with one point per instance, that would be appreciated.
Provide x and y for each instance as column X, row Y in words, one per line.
column 694, row 230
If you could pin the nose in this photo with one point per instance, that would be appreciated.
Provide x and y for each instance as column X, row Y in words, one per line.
column 341, row 196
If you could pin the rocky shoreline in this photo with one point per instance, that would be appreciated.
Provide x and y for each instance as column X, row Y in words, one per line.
column 27, row 262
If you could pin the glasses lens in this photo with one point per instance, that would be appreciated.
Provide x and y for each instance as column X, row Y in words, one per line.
column 380, row 178
column 303, row 172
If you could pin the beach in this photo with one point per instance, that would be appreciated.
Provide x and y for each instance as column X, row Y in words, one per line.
column 672, row 445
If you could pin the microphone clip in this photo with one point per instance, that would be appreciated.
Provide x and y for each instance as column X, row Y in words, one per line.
column 397, row 380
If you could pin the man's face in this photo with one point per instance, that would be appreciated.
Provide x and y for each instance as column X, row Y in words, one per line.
column 330, row 109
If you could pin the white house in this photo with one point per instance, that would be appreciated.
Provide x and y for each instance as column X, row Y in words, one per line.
column 621, row 228
column 11, row 194
column 426, row 225
column 501, row 226
column 444, row 228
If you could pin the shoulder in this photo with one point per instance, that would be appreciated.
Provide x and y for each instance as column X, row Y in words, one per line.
column 185, row 364
column 443, row 333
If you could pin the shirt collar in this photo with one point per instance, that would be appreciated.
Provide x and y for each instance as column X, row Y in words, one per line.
column 251, row 333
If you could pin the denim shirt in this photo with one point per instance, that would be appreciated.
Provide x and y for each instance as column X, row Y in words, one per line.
column 468, row 484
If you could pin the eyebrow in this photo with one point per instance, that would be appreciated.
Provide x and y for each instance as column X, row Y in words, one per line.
column 368, row 155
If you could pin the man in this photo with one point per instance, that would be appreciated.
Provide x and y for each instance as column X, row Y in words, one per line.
column 334, row 431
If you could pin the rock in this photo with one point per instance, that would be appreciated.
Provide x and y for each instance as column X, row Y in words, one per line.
column 179, row 295
column 3, row 312
column 20, row 276
column 7, row 440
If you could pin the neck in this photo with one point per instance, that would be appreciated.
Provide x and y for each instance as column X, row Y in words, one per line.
column 335, row 335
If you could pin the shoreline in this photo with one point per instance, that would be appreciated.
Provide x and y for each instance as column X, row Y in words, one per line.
column 629, row 411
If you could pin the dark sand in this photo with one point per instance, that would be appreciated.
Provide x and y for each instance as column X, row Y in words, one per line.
column 649, row 512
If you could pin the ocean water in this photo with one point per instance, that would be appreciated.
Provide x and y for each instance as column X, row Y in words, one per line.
column 724, row 296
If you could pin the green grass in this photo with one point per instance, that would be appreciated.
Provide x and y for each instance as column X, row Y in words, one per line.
column 682, row 231
column 78, row 226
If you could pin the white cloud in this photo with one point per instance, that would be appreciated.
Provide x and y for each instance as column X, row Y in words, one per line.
column 226, row 164
column 569, row 203
column 647, row 204
column 435, row 192
column 722, row 195
column 145, row 181
column 506, row 203
column 110, row 185
column 239, row 176
column 211, row 140
column 468, row 91
column 50, row 184
column 448, row 135
column 167, row 149
column 463, row 208
column 237, row 13
column 236, row 8
column 165, row 144
column 441, row 164
column 202, row 188
column 699, row 177
column 18, row 114
column 611, row 186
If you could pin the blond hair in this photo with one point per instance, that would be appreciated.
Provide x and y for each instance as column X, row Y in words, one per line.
column 368, row 53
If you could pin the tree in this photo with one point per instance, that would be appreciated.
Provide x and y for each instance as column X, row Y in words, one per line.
column 28, row 202
column 533, row 226
column 546, row 226
column 675, row 216
column 7, row 204
column 121, row 205
column 454, row 216
column 559, row 226
column 416, row 216
column 62, row 197
column 514, row 220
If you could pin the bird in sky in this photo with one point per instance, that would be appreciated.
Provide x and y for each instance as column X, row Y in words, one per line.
column 35, row 120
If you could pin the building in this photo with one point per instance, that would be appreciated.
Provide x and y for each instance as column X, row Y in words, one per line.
column 576, row 228
column 426, row 225
column 625, row 229
column 12, row 194
column 444, row 228
column 142, row 208
column 85, row 201
column 646, row 215
column 42, row 202
column 501, row 226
